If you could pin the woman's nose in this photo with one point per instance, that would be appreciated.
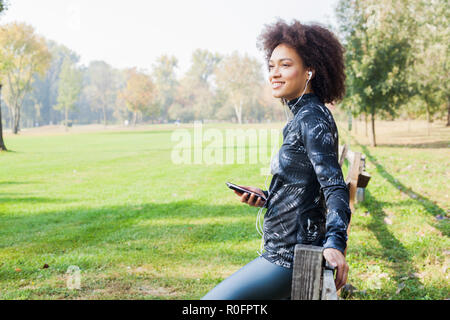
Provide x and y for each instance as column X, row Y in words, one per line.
column 274, row 73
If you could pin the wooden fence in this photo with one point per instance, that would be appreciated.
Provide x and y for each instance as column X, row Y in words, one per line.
column 313, row 278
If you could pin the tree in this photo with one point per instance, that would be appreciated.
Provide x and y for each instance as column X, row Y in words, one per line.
column 44, row 94
column 121, row 111
column 2, row 143
column 101, row 87
column 378, row 54
column 430, row 72
column 139, row 94
column 199, row 79
column 268, row 106
column 165, row 82
column 24, row 53
column 203, row 64
column 241, row 79
column 3, row 5
column 69, row 88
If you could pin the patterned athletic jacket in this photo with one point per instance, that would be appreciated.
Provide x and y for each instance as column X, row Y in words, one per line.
column 307, row 180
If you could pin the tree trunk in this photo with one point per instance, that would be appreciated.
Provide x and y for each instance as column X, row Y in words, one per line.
column 66, row 116
column 365, row 120
column 10, row 119
column 16, row 119
column 104, row 115
column 448, row 114
column 134, row 118
column 2, row 143
column 428, row 120
column 374, row 143
column 238, row 111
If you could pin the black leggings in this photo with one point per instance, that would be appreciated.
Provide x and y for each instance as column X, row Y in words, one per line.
column 259, row 279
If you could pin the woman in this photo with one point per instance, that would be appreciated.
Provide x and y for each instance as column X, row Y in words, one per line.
column 308, row 200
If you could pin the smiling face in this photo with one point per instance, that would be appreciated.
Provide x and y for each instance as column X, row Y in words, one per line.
column 287, row 74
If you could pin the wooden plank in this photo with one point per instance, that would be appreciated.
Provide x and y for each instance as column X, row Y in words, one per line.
column 363, row 179
column 352, row 178
column 352, row 182
column 328, row 287
column 307, row 272
column 343, row 154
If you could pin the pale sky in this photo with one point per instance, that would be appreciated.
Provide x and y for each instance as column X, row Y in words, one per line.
column 135, row 32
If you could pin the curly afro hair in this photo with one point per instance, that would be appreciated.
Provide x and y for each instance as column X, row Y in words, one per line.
column 319, row 49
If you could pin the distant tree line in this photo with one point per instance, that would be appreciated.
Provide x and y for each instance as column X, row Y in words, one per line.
column 44, row 84
column 396, row 58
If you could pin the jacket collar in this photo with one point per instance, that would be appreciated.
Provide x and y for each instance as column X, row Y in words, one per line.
column 308, row 97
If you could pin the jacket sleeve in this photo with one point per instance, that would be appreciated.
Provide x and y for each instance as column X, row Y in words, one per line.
column 321, row 144
column 266, row 193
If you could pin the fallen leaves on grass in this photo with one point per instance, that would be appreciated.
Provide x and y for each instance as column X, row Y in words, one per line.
column 156, row 291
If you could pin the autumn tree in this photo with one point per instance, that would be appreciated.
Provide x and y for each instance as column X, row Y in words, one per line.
column 69, row 88
column 240, row 77
column 139, row 95
column 165, row 81
column 269, row 107
column 201, row 79
column 44, row 95
column 24, row 54
column 101, row 87
column 121, row 112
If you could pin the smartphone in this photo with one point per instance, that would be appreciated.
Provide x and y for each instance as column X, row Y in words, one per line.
column 242, row 190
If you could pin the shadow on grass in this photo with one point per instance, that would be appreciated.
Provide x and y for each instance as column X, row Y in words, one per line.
column 9, row 151
column 164, row 229
column 429, row 145
column 138, row 131
column 429, row 206
column 393, row 250
column 8, row 197
column 169, row 237
column 16, row 182
column 5, row 198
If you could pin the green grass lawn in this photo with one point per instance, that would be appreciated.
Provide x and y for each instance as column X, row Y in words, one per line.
column 140, row 227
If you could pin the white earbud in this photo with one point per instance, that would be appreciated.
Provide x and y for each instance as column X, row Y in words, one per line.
column 309, row 75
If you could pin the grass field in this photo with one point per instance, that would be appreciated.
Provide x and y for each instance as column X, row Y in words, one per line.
column 113, row 204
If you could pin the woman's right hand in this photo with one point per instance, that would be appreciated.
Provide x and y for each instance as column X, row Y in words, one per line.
column 253, row 200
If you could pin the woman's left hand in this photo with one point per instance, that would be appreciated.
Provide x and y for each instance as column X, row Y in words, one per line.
column 335, row 258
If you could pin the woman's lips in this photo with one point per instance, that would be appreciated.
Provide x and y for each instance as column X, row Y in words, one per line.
column 276, row 85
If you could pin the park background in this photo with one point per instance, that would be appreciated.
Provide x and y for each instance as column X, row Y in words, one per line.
column 87, row 178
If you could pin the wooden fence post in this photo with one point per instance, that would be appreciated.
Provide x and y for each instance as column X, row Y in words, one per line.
column 328, row 286
column 307, row 272
column 310, row 280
